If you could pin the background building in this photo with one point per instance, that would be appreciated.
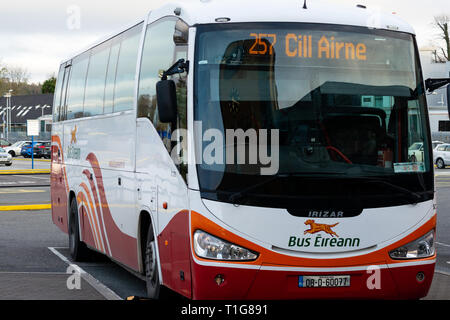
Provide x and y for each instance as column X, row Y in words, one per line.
column 23, row 108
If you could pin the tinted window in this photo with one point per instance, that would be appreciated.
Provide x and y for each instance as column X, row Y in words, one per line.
column 76, row 87
column 95, row 84
column 111, row 77
column 57, row 98
column 126, row 69
column 64, row 93
column 160, row 53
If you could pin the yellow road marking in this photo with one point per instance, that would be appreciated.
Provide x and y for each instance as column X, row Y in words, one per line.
column 26, row 207
column 14, row 191
column 35, row 171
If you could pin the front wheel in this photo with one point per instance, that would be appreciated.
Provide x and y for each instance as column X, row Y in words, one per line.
column 154, row 287
column 78, row 250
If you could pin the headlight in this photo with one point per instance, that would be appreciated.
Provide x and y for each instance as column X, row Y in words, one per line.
column 210, row 247
column 423, row 247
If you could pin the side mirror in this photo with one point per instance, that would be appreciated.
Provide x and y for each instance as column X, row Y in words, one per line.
column 166, row 94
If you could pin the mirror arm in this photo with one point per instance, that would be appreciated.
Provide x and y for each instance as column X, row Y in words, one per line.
column 180, row 66
column 434, row 84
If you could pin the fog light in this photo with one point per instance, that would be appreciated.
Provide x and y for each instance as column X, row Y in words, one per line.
column 420, row 277
column 219, row 279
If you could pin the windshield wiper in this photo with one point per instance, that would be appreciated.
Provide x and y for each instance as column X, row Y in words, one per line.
column 410, row 194
column 241, row 194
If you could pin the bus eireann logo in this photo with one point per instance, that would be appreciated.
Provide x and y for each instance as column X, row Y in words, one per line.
column 316, row 227
column 74, row 135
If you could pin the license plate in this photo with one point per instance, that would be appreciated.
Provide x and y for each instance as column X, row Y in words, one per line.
column 323, row 281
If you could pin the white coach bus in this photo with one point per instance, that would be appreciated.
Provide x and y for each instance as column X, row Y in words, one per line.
column 333, row 209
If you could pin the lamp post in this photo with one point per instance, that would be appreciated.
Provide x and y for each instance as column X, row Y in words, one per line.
column 8, row 112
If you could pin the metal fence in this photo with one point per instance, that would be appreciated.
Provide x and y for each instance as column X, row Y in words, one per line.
column 441, row 136
column 22, row 136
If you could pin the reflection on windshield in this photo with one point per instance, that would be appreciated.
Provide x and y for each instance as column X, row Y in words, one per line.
column 343, row 102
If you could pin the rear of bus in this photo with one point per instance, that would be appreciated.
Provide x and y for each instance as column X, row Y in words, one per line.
column 326, row 201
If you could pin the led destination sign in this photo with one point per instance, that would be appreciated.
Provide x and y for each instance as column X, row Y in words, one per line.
column 306, row 46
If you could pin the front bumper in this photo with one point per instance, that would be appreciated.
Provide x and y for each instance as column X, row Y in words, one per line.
column 272, row 283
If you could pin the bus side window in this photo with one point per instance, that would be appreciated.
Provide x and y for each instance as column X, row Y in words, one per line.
column 160, row 52
column 111, row 76
column 162, row 48
column 77, row 85
column 58, row 90
column 95, row 83
column 126, row 69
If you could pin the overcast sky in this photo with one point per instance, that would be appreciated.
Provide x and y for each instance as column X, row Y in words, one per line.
column 37, row 35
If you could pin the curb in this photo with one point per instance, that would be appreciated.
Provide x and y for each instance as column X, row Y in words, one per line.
column 27, row 172
column 26, row 207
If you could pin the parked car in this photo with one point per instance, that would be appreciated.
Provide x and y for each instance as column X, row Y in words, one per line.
column 43, row 150
column 4, row 143
column 15, row 149
column 5, row 158
column 441, row 155
column 437, row 143
column 415, row 152
column 26, row 149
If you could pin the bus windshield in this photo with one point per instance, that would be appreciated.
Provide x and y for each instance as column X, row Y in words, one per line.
column 341, row 110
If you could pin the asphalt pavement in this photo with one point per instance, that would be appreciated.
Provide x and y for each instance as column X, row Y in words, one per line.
column 20, row 163
column 443, row 221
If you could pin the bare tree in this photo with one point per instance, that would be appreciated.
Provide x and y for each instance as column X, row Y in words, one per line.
column 442, row 23
column 16, row 79
column 3, row 71
column 18, row 75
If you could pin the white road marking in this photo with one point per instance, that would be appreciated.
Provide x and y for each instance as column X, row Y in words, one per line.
column 12, row 183
column 443, row 272
column 44, row 273
column 33, row 177
column 100, row 287
column 443, row 244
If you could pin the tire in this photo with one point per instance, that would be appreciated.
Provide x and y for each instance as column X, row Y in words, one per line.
column 8, row 164
column 154, row 288
column 12, row 153
column 413, row 158
column 440, row 163
column 78, row 250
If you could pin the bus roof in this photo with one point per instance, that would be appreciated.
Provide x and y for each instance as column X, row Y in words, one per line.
column 207, row 11
column 195, row 12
